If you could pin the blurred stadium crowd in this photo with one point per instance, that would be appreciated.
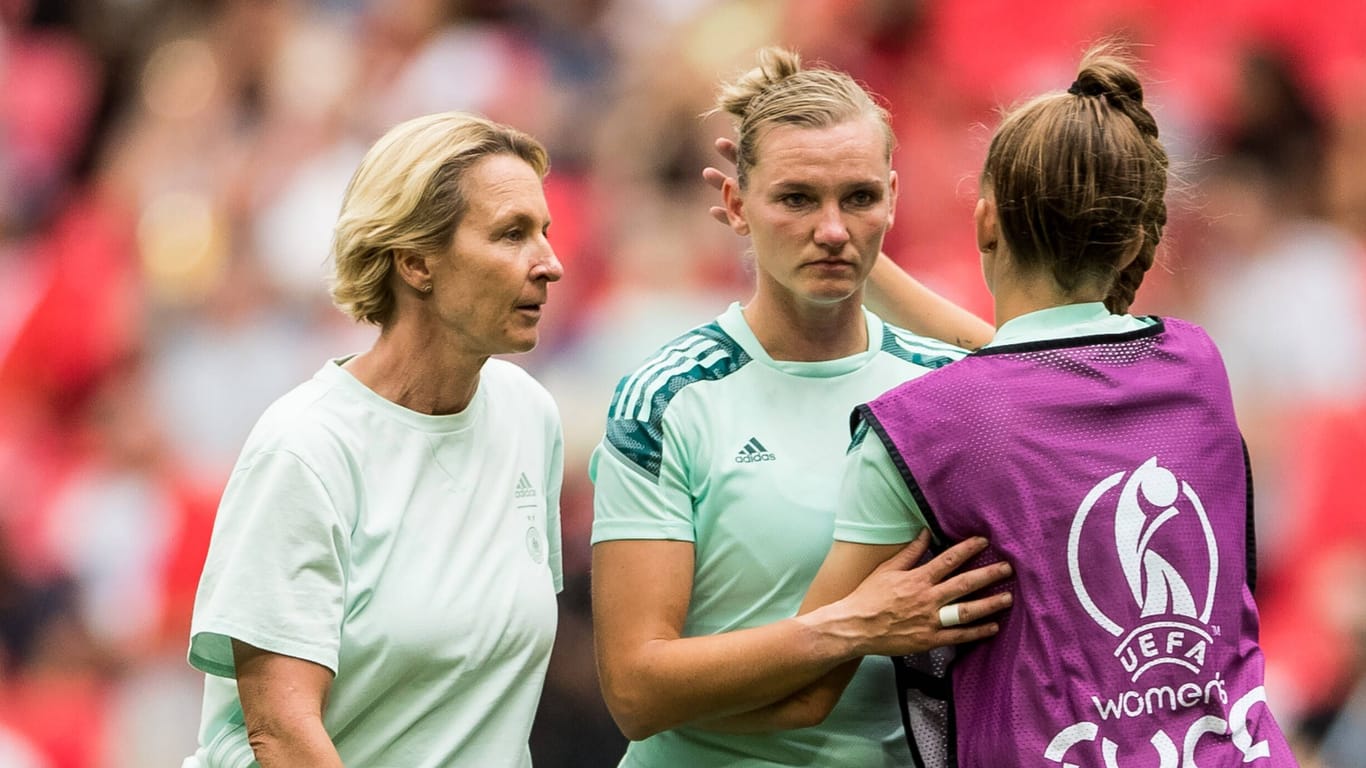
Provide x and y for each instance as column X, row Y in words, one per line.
column 170, row 171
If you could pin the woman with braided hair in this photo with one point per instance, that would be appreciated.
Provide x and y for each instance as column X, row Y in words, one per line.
column 1100, row 455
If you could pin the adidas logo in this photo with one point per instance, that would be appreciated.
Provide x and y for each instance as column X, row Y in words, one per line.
column 752, row 452
column 524, row 488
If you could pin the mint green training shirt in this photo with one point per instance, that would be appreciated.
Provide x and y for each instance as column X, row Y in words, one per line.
column 714, row 442
column 414, row 556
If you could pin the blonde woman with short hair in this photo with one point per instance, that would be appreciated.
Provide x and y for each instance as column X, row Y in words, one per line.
column 380, row 585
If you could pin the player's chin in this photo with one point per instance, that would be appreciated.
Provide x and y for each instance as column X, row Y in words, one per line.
column 527, row 344
column 520, row 340
column 832, row 291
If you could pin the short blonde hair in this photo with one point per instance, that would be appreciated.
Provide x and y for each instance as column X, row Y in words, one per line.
column 408, row 194
column 780, row 92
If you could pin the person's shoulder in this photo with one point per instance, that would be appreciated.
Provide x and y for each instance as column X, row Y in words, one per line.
column 635, row 418
column 1191, row 334
column 319, row 412
column 1177, row 324
column 918, row 350
column 704, row 353
column 296, row 409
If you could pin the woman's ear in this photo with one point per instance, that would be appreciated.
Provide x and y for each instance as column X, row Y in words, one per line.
column 988, row 241
column 893, row 187
column 735, row 207
column 984, row 218
column 413, row 269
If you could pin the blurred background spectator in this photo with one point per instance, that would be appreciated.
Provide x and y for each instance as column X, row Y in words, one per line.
column 169, row 171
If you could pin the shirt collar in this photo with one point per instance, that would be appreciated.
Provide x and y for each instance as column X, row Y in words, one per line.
column 1053, row 323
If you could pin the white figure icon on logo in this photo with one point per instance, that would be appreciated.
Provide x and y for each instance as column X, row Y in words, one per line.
column 1156, row 586
column 1170, row 626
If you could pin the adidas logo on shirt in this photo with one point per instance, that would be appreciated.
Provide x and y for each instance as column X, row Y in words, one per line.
column 754, row 451
column 524, row 488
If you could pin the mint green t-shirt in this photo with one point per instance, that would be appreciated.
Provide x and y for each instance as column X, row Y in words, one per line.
column 417, row 557
column 712, row 441
column 877, row 506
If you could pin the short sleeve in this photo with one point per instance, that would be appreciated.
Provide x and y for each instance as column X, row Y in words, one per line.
column 630, row 502
column 875, row 505
column 274, row 577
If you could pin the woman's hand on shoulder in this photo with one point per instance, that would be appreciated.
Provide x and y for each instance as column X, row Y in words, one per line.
column 894, row 609
column 908, row 605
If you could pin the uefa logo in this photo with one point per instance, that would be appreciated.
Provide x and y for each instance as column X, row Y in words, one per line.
column 1150, row 568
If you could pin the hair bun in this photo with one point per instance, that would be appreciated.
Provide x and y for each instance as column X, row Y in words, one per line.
column 1087, row 87
column 776, row 64
column 1107, row 72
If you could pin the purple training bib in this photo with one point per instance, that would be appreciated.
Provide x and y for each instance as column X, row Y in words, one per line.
column 1110, row 472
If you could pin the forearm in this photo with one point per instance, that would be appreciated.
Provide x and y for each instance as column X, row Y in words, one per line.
column 902, row 300
column 912, row 626
column 804, row 709
column 672, row 682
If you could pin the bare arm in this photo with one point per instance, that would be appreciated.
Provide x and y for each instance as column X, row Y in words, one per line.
column 282, row 703
column 891, row 292
column 857, row 568
column 654, row 679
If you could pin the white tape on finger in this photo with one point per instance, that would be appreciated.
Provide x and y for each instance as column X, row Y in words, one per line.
column 949, row 616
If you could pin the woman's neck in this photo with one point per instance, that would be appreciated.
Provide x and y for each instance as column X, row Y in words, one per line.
column 799, row 332
column 1019, row 295
column 411, row 366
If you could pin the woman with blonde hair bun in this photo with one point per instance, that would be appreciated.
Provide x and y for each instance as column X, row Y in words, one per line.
column 716, row 480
